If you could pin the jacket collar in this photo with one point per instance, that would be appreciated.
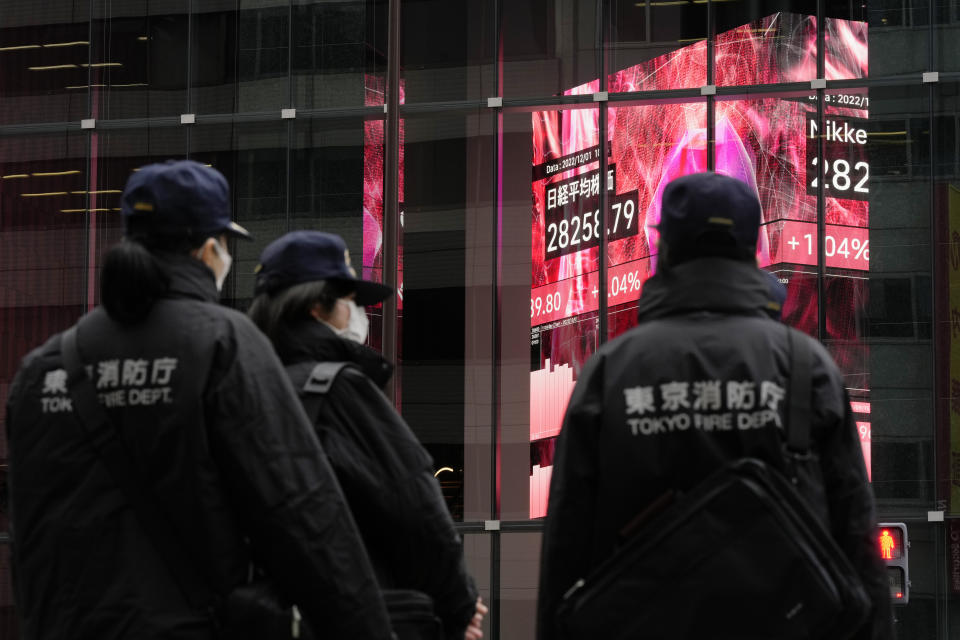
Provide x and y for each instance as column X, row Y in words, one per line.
column 706, row 284
column 189, row 278
column 311, row 340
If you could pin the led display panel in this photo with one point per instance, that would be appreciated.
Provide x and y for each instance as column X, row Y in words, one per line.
column 771, row 144
column 373, row 149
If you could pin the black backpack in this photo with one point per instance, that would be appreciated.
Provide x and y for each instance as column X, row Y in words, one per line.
column 740, row 556
column 411, row 612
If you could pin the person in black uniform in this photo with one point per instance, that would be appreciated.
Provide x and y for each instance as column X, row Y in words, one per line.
column 705, row 345
column 212, row 427
column 309, row 302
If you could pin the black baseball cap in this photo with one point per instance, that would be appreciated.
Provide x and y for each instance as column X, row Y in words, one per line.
column 305, row 256
column 178, row 198
column 709, row 202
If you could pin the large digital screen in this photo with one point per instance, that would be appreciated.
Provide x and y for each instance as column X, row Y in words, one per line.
column 771, row 144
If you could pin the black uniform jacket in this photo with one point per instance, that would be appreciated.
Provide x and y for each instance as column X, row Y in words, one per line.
column 700, row 382
column 385, row 473
column 203, row 407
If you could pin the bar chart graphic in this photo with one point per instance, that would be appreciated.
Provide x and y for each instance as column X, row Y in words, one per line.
column 550, row 390
column 539, row 490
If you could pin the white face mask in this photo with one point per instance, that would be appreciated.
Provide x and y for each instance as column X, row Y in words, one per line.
column 227, row 261
column 357, row 326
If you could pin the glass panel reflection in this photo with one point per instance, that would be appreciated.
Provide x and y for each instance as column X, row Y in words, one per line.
column 946, row 216
column 843, row 171
column 519, row 578
column 658, row 44
column 895, row 317
column 253, row 157
column 336, row 186
column 139, row 58
column 845, row 41
column 239, row 53
column 946, row 23
column 515, row 361
column 455, row 62
column 772, row 42
column 476, row 552
column 328, row 182
column 44, row 275
column 44, row 53
column 8, row 615
column 650, row 146
column 776, row 41
column 564, row 285
column 114, row 157
column 446, row 323
column 338, row 49
column 548, row 46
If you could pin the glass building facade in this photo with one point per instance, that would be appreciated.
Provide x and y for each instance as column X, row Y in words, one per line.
column 466, row 151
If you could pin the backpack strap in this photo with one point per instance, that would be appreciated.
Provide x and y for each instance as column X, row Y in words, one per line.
column 313, row 391
column 322, row 377
column 800, row 412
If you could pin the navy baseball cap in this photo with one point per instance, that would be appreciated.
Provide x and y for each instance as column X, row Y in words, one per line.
column 178, row 198
column 305, row 256
column 700, row 202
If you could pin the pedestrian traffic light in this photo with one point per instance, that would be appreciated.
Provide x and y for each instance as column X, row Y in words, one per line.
column 893, row 546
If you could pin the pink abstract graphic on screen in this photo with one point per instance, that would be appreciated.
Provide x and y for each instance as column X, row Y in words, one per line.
column 771, row 144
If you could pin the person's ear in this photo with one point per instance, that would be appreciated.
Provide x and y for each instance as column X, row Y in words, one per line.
column 318, row 312
column 207, row 254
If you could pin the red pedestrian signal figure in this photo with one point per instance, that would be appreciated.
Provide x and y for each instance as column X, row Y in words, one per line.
column 893, row 545
column 887, row 544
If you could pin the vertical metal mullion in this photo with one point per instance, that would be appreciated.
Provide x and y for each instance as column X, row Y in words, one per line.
column 821, row 205
column 391, row 218
column 821, row 224
column 495, row 547
column 495, row 416
column 91, row 13
column 648, row 13
column 497, row 258
column 290, row 57
column 236, row 55
column 291, row 135
column 248, row 154
column 603, row 38
column 941, row 607
column 289, row 170
column 189, row 92
column 89, row 222
column 711, row 79
column 496, row 300
column 189, row 79
column 711, row 133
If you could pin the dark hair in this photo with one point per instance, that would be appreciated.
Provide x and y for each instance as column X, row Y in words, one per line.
column 709, row 244
column 272, row 311
column 132, row 279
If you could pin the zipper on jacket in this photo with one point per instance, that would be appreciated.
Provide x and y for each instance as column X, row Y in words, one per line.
column 572, row 590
